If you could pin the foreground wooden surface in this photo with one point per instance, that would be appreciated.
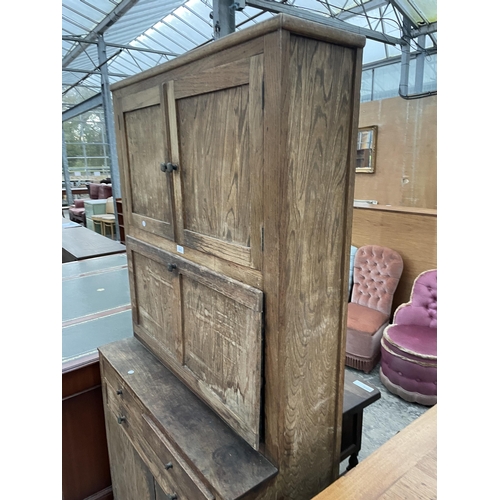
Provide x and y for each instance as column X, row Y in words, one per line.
column 404, row 467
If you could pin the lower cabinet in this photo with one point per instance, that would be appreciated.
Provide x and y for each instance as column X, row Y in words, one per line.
column 165, row 443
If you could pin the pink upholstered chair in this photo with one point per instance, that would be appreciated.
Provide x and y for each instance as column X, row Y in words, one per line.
column 377, row 271
column 408, row 366
column 77, row 211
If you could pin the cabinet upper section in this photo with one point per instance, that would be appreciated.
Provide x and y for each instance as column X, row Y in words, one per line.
column 200, row 136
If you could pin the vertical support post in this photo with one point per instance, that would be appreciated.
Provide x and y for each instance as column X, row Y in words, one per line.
column 419, row 73
column 405, row 58
column 224, row 18
column 107, row 106
column 67, row 180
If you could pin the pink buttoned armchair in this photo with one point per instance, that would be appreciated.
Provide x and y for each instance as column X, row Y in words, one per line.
column 408, row 366
column 376, row 275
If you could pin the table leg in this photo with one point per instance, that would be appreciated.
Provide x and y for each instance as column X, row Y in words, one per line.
column 353, row 461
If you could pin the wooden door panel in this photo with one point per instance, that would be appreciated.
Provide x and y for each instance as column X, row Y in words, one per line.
column 214, row 337
column 220, row 339
column 217, row 135
column 154, row 299
column 150, row 188
column 215, row 171
column 131, row 478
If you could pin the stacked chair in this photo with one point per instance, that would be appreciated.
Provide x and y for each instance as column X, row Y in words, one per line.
column 409, row 346
column 376, row 275
column 107, row 220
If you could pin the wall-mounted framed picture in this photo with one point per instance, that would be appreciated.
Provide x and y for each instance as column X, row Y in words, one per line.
column 365, row 158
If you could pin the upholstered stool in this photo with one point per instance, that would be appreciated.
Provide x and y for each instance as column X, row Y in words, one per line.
column 377, row 271
column 409, row 346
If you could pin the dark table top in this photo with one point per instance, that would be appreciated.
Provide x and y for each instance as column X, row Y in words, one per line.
column 357, row 394
column 95, row 307
column 82, row 243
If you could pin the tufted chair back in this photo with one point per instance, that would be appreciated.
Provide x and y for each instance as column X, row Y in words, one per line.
column 377, row 271
column 422, row 308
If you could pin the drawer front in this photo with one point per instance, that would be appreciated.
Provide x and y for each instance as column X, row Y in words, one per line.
column 171, row 472
column 113, row 386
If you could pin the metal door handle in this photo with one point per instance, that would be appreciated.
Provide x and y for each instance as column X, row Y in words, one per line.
column 168, row 167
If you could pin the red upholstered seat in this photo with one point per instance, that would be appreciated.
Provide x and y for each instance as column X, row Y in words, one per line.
column 77, row 211
column 96, row 192
column 376, row 275
column 409, row 346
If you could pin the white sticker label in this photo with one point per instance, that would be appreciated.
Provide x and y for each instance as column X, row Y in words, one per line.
column 363, row 386
column 144, row 223
column 180, row 249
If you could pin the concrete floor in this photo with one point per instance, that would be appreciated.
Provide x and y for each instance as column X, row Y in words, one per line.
column 384, row 418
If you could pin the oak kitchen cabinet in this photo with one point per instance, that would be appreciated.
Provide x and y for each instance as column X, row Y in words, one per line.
column 237, row 167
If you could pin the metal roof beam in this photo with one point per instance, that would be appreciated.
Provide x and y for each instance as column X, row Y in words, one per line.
column 94, row 72
column 108, row 21
column 424, row 30
column 87, row 105
column 120, row 46
column 360, row 9
column 295, row 11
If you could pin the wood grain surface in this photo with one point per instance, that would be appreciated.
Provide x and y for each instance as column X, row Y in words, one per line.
column 215, row 453
column 204, row 326
column 403, row 467
column 150, row 189
column 263, row 196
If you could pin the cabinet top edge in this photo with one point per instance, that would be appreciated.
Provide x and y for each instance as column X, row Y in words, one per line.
column 284, row 22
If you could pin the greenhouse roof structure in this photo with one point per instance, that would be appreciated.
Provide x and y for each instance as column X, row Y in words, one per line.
column 121, row 38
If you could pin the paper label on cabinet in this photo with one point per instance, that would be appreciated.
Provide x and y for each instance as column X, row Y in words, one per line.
column 363, row 386
column 180, row 249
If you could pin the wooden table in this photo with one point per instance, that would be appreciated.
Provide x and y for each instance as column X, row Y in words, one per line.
column 80, row 243
column 357, row 396
column 404, row 467
column 95, row 311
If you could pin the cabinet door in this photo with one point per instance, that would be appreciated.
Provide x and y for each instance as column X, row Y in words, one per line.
column 215, row 121
column 205, row 327
column 143, row 150
column 130, row 477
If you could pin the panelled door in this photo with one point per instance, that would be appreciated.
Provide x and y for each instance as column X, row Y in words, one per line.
column 143, row 148
column 205, row 327
column 215, row 122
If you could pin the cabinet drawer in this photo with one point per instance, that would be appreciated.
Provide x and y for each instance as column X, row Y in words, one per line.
column 169, row 469
column 114, row 387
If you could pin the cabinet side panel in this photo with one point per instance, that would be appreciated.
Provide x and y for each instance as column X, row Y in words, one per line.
column 321, row 80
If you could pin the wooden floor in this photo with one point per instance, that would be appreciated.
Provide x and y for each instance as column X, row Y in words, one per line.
column 404, row 467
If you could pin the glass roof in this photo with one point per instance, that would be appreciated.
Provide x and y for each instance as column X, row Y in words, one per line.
column 140, row 34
